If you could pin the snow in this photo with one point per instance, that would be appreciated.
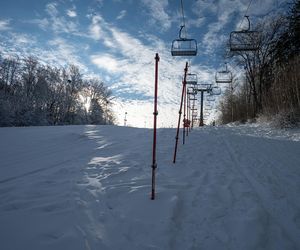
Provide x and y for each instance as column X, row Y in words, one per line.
column 88, row 187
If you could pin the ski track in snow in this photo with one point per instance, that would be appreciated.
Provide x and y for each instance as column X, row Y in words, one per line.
column 87, row 187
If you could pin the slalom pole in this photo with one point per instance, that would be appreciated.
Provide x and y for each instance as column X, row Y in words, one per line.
column 187, row 110
column 193, row 106
column 155, row 113
column 180, row 112
column 184, row 114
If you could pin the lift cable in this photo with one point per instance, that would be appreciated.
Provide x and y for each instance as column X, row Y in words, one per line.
column 183, row 18
column 245, row 13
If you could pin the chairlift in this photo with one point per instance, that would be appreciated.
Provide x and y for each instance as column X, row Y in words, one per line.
column 223, row 76
column 192, row 91
column 210, row 98
column 184, row 46
column 204, row 86
column 210, row 103
column 215, row 90
column 191, row 79
column 244, row 40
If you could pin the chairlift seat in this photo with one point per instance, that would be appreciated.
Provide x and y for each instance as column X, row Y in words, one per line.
column 245, row 40
column 184, row 47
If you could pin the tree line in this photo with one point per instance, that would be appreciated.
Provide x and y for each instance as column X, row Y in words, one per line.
column 34, row 93
column 271, row 82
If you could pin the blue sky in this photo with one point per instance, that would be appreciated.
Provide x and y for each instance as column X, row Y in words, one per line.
column 116, row 40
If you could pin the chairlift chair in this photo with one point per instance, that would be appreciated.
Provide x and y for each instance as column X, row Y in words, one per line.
column 210, row 103
column 204, row 86
column 244, row 40
column 215, row 90
column 192, row 91
column 210, row 98
column 184, row 46
column 191, row 79
column 223, row 76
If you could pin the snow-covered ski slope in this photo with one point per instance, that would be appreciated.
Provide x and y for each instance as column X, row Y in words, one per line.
column 87, row 187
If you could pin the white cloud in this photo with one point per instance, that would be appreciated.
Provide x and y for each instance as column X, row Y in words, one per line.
column 42, row 23
column 106, row 62
column 4, row 25
column 198, row 22
column 122, row 14
column 223, row 11
column 71, row 13
column 157, row 11
column 64, row 53
column 51, row 9
column 23, row 39
column 95, row 28
column 58, row 23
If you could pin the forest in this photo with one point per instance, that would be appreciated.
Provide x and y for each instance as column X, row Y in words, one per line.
column 270, row 85
column 33, row 93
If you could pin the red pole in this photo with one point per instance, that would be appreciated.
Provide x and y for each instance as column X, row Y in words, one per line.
column 180, row 112
column 155, row 113
column 184, row 114
column 188, row 112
